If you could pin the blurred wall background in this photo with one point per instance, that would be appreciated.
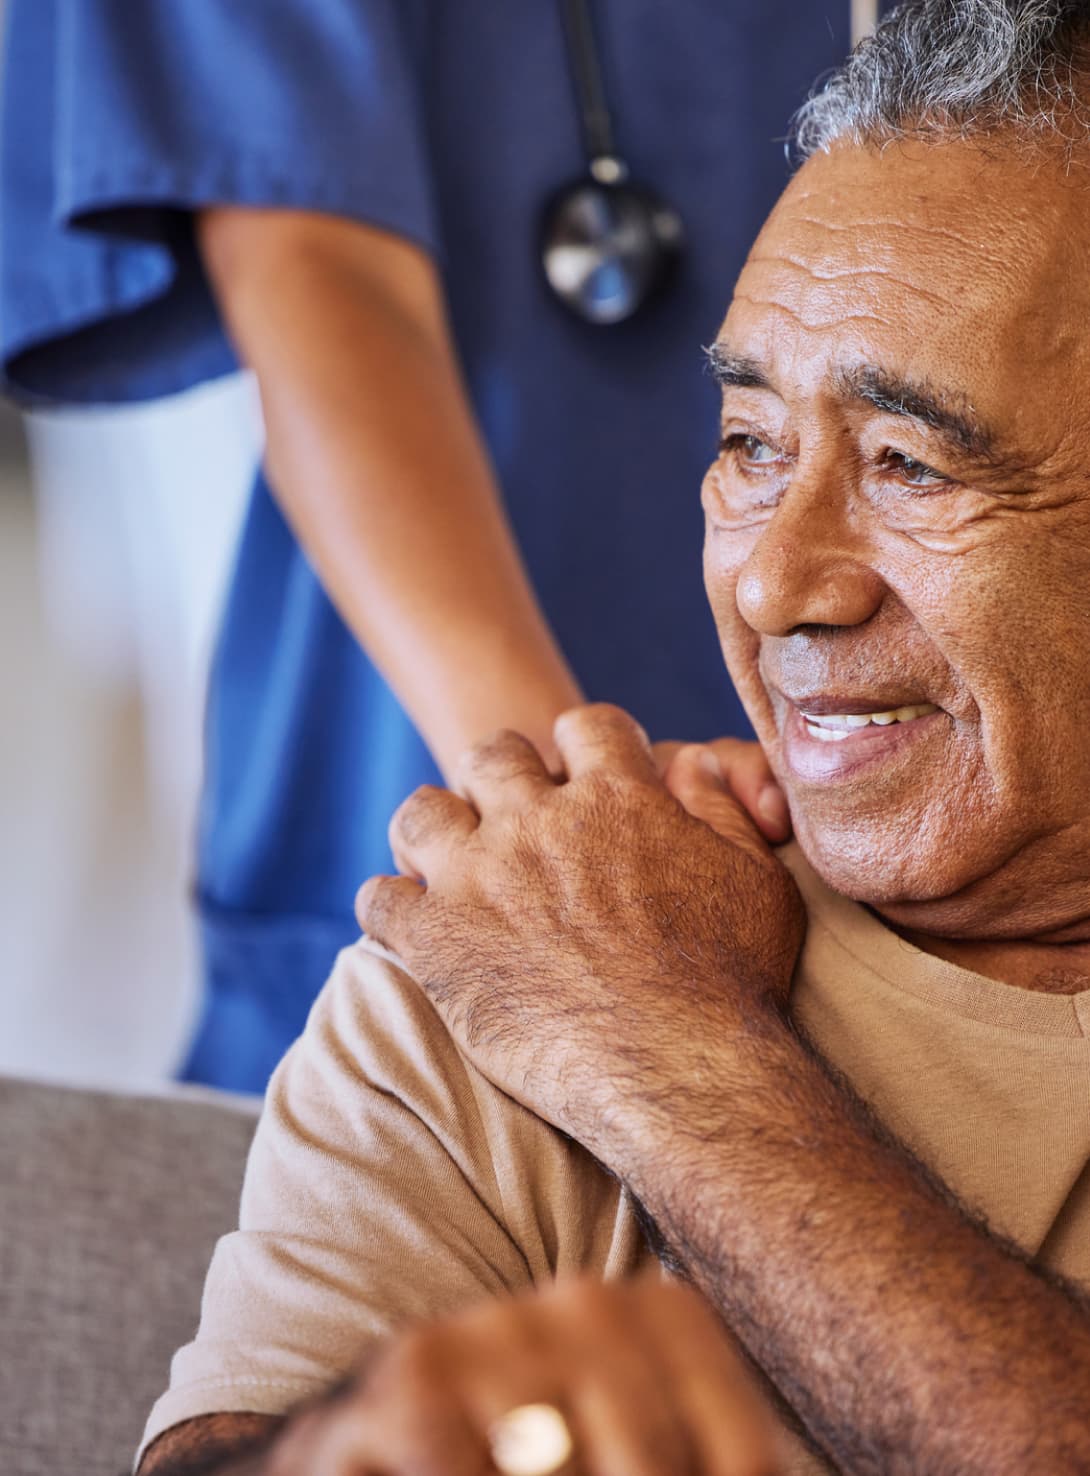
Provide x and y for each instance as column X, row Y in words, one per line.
column 117, row 531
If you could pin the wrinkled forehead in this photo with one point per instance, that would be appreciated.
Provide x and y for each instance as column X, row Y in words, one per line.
column 971, row 256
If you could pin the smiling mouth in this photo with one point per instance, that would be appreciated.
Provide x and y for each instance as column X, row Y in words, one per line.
column 835, row 727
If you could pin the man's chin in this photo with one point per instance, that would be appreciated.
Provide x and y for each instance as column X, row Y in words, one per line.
column 878, row 866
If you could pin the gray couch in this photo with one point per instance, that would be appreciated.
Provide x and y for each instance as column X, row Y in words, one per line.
column 109, row 1208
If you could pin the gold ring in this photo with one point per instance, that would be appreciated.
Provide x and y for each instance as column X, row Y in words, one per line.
column 530, row 1440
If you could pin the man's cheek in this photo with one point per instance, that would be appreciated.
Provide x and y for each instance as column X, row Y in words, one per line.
column 724, row 559
column 741, row 653
column 723, row 563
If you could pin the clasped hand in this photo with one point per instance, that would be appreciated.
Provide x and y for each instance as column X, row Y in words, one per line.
column 579, row 935
column 640, row 1372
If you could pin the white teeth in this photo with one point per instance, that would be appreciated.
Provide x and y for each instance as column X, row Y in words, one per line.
column 828, row 735
column 834, row 727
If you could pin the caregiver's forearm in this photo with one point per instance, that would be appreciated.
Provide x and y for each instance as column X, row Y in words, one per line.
column 376, row 461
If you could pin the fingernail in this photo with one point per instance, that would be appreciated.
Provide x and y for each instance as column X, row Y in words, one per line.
column 710, row 764
column 772, row 807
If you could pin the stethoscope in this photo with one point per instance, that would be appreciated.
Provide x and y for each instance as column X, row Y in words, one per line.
column 610, row 246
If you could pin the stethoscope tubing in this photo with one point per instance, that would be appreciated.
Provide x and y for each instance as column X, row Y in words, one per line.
column 608, row 246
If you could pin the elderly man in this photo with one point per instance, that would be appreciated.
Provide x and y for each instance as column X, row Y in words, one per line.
column 602, row 1040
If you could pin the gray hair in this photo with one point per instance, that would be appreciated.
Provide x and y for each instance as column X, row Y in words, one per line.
column 937, row 68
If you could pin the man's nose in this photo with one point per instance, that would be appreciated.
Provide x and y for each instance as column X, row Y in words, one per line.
column 808, row 567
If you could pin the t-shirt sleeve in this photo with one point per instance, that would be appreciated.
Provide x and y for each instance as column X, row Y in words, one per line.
column 388, row 1184
column 120, row 119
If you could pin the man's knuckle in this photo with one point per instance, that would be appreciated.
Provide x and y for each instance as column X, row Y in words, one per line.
column 421, row 815
column 366, row 897
column 605, row 712
column 613, row 720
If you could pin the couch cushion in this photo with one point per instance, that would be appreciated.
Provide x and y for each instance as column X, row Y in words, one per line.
column 109, row 1208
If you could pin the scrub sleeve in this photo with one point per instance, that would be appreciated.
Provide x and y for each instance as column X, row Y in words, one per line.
column 119, row 120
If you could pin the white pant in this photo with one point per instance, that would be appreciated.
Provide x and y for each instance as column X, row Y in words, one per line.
column 104, row 665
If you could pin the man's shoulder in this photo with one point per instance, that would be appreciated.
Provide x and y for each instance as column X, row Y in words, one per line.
column 377, row 1061
column 372, row 999
column 373, row 1040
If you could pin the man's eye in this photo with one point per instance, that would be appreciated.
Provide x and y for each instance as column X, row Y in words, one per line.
column 750, row 450
column 914, row 472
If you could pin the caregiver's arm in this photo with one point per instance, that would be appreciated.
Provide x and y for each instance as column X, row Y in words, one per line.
column 374, row 457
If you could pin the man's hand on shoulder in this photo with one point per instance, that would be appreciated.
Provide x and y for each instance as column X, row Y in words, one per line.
column 635, row 1377
column 576, row 936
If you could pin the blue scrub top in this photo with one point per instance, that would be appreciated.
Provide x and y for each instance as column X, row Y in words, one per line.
column 449, row 122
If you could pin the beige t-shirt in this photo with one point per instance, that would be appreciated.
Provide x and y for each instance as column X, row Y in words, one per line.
column 389, row 1182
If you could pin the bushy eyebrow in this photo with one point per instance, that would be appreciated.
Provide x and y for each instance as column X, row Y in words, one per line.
column 735, row 369
column 947, row 412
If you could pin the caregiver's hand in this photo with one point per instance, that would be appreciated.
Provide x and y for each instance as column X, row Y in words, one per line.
column 638, row 1378
column 588, row 943
column 743, row 768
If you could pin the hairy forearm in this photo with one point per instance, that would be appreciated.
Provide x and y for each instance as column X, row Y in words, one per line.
column 906, row 1337
column 375, row 458
column 213, row 1445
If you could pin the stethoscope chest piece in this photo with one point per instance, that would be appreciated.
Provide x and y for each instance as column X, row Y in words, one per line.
column 608, row 245
column 608, row 249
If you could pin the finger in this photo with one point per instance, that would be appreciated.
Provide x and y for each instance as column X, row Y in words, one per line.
column 728, row 1425
column 747, row 775
column 504, row 771
column 409, row 1419
column 503, row 1358
column 663, row 752
column 501, row 1361
column 625, row 1418
column 696, row 781
column 425, row 825
column 385, row 906
column 601, row 736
